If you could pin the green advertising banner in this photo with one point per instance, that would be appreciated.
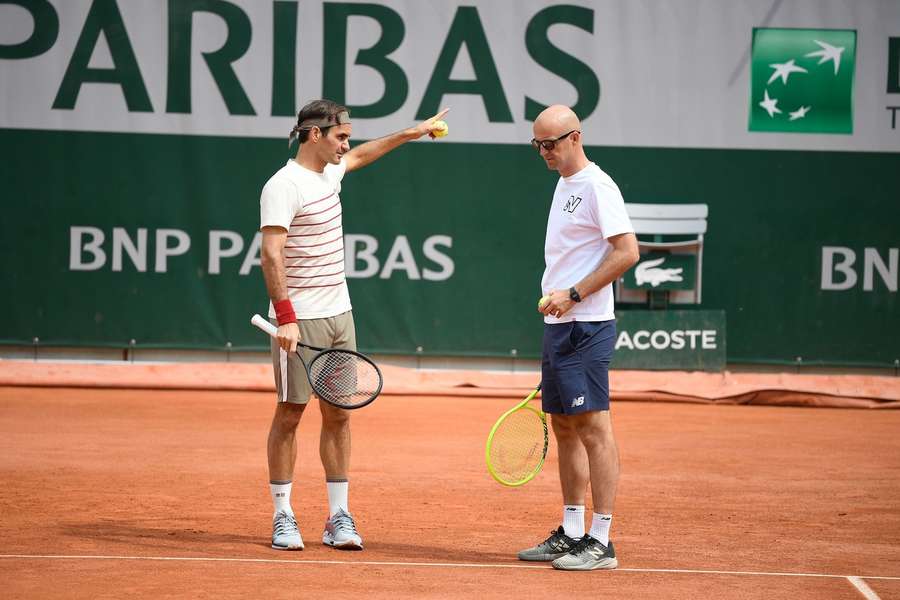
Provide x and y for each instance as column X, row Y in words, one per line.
column 671, row 339
column 136, row 137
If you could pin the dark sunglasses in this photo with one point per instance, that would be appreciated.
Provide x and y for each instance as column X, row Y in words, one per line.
column 549, row 145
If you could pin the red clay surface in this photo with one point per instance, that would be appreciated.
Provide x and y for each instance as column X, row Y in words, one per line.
column 150, row 478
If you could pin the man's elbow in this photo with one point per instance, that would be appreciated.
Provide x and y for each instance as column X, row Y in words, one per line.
column 269, row 256
column 271, row 249
column 634, row 255
column 632, row 251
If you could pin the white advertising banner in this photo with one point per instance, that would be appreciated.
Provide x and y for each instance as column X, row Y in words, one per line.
column 780, row 74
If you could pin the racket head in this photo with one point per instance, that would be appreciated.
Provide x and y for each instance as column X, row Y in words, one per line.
column 517, row 445
column 344, row 378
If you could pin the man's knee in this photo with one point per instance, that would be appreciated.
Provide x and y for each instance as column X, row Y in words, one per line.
column 333, row 417
column 287, row 415
column 564, row 427
column 595, row 430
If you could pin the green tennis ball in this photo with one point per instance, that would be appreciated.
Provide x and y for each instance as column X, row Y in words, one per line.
column 544, row 300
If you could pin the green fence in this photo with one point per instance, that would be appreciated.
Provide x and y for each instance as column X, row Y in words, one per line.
column 483, row 209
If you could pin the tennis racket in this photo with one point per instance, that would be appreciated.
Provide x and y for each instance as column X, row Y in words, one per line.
column 343, row 378
column 517, row 444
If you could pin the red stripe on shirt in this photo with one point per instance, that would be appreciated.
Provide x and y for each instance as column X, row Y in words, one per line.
column 341, row 272
column 321, row 199
column 341, row 249
column 338, row 203
column 311, row 234
column 338, row 238
column 315, row 266
column 304, row 287
column 313, row 224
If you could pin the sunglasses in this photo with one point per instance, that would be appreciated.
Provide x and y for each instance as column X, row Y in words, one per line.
column 549, row 145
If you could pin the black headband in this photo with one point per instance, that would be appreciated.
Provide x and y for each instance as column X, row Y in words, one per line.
column 341, row 118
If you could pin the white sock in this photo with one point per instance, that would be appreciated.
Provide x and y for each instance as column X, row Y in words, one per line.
column 281, row 496
column 600, row 528
column 573, row 520
column 337, row 495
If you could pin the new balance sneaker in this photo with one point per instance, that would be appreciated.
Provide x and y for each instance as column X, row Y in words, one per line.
column 587, row 555
column 285, row 533
column 340, row 532
column 558, row 544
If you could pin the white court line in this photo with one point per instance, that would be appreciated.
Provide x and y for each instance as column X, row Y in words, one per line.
column 864, row 589
column 853, row 578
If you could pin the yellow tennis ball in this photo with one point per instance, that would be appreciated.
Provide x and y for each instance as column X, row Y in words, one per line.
column 544, row 300
column 441, row 129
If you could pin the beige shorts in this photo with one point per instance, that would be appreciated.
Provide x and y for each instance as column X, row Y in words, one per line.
column 291, row 381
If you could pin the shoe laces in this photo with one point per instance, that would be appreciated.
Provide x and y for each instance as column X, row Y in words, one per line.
column 556, row 538
column 557, row 535
column 344, row 522
column 285, row 524
column 583, row 544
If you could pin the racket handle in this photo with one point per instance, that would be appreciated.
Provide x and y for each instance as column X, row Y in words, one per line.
column 264, row 325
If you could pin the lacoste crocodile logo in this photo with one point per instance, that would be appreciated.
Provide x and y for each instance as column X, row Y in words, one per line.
column 648, row 272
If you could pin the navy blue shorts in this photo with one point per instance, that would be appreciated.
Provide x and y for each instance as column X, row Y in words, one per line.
column 575, row 366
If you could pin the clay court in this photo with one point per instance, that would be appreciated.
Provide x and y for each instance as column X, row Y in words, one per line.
column 162, row 494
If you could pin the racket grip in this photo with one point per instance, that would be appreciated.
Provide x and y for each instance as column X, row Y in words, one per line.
column 264, row 325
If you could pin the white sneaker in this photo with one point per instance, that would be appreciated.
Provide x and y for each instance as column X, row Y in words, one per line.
column 340, row 532
column 285, row 533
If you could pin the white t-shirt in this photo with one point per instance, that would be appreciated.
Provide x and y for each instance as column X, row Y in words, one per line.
column 308, row 205
column 587, row 209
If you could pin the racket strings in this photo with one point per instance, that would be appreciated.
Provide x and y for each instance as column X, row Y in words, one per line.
column 518, row 445
column 344, row 378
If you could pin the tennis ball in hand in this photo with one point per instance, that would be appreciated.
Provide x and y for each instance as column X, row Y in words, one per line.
column 544, row 300
column 440, row 129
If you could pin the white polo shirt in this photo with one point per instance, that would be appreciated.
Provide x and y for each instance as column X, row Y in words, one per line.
column 308, row 205
column 587, row 209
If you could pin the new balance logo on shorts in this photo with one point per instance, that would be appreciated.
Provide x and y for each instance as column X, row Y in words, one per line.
column 578, row 401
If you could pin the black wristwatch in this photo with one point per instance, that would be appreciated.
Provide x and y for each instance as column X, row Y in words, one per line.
column 573, row 294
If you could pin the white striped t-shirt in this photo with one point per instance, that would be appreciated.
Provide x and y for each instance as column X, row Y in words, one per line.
column 308, row 205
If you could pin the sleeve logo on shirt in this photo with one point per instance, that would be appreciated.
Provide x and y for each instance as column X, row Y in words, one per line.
column 572, row 203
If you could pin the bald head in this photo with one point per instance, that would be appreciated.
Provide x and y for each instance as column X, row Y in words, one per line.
column 557, row 137
column 554, row 121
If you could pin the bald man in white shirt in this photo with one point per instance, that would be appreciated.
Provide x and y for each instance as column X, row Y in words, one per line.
column 590, row 243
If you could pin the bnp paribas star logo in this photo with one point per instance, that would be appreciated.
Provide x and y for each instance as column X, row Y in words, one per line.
column 802, row 80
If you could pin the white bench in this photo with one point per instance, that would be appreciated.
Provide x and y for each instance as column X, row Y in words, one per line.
column 660, row 221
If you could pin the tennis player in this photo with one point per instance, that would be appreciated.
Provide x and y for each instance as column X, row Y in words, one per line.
column 303, row 264
column 590, row 242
